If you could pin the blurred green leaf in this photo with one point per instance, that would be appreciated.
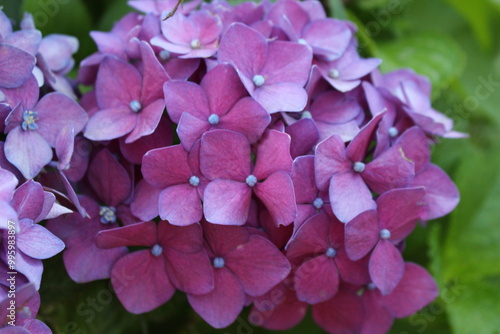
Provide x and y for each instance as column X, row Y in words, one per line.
column 432, row 54
column 12, row 8
column 69, row 17
column 337, row 9
column 114, row 12
column 477, row 13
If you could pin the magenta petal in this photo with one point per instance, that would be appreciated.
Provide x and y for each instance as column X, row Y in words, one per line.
column 276, row 192
column 118, row 83
column 35, row 326
column 227, row 202
column 167, row 166
column 28, row 151
column 140, row 281
column 243, row 47
column 225, row 155
column 416, row 289
column 399, row 209
column 109, row 179
column 36, row 241
column 378, row 320
column 330, row 158
column 390, row 170
column 386, row 266
column 311, row 237
column 273, row 154
column 141, row 234
column 154, row 75
column 223, row 305
column 281, row 97
column 246, row 117
column 191, row 128
column 180, row 205
column 258, row 264
column 357, row 148
column 349, row 196
column 316, row 280
column 441, row 194
column 147, row 121
column 361, row 234
column 223, row 88
column 343, row 314
column 304, row 135
column 191, row 273
column 182, row 96
column 110, row 124
column 303, row 179
column 145, row 203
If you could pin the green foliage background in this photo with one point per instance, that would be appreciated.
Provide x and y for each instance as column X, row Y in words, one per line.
column 454, row 42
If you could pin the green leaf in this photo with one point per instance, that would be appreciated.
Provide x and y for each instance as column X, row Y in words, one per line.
column 432, row 54
column 12, row 8
column 477, row 13
column 69, row 17
column 337, row 9
column 114, row 12
column 470, row 251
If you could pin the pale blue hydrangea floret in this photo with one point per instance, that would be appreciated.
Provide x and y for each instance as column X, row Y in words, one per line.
column 258, row 80
column 213, row 119
column 251, row 180
column 219, row 262
column 385, row 233
column 358, row 167
column 194, row 181
column 331, row 252
column 318, row 203
column 156, row 250
column 393, row 132
column 135, row 106
column 108, row 214
column 29, row 120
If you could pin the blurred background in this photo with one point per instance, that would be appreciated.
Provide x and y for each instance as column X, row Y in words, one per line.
column 456, row 43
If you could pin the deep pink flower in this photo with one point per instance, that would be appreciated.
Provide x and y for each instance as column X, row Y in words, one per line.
column 218, row 103
column 397, row 213
column 131, row 102
column 243, row 263
column 318, row 250
column 350, row 180
column 415, row 290
column 175, row 258
column 177, row 173
column 225, row 159
column 274, row 73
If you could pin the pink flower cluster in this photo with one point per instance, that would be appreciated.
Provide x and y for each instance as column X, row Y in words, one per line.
column 246, row 156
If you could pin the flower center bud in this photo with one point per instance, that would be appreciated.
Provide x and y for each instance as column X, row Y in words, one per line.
column 334, row 73
column 331, row 252
column 358, row 167
column 219, row 262
column 371, row 286
column 318, row 203
column 306, row 114
column 136, row 106
column 258, row 80
column 194, row 181
column 164, row 55
column 393, row 132
column 108, row 214
column 251, row 180
column 156, row 250
column 385, row 234
column 195, row 44
column 213, row 119
column 29, row 120
column 302, row 41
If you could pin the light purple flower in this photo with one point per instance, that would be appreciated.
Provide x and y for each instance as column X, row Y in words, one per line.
column 193, row 36
column 274, row 73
